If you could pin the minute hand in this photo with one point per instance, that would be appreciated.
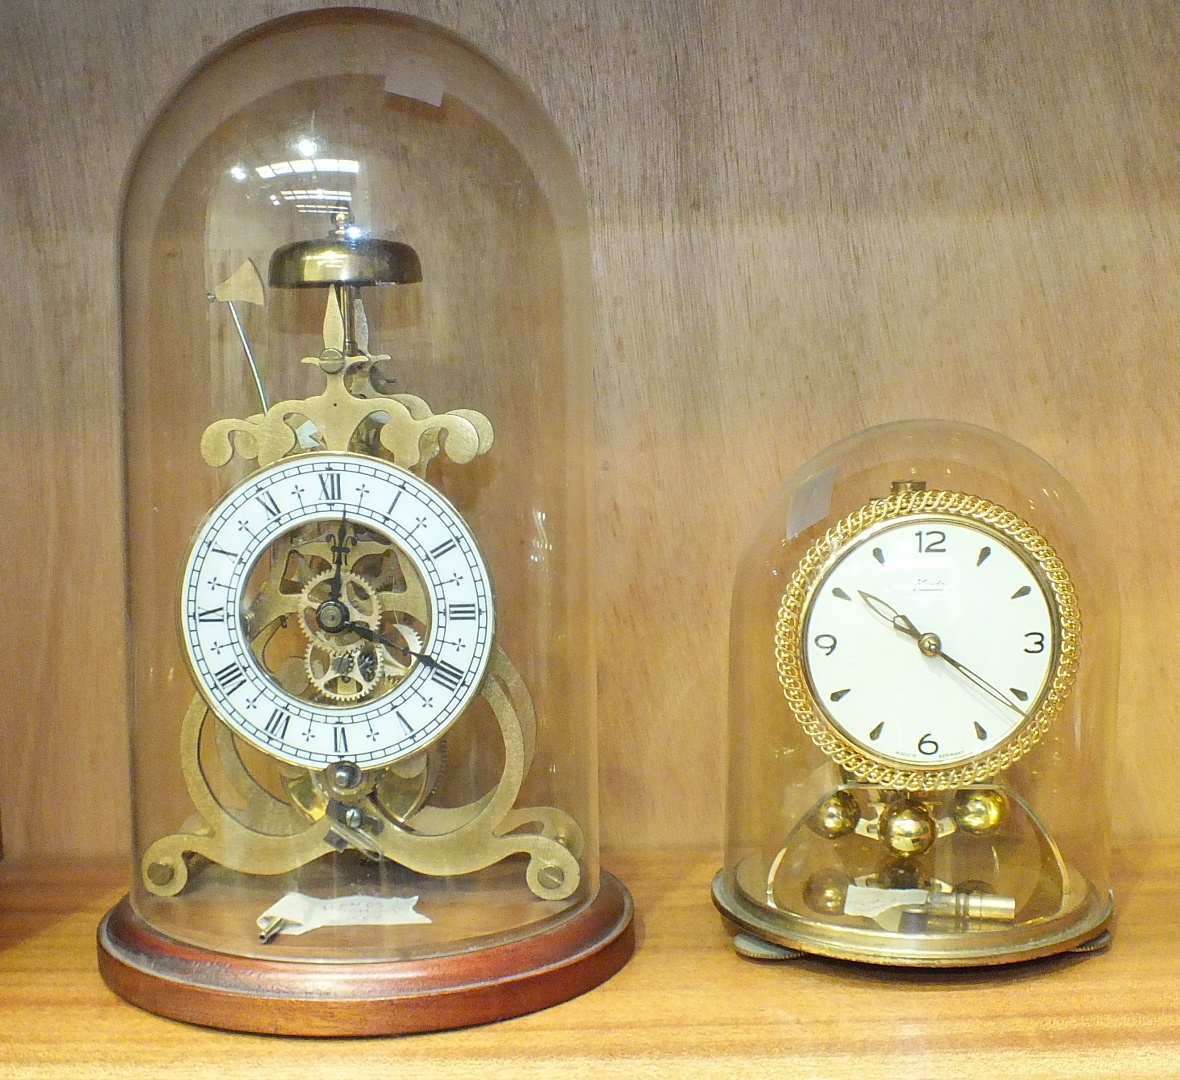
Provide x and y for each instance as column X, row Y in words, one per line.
column 339, row 550
column 931, row 645
column 371, row 635
column 981, row 682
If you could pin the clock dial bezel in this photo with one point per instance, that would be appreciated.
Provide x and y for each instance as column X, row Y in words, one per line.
column 416, row 711
column 830, row 550
column 941, row 708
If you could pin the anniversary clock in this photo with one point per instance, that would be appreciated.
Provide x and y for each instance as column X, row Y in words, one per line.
column 361, row 677
column 924, row 658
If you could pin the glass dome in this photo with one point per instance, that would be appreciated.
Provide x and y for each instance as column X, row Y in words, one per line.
column 923, row 669
column 357, row 408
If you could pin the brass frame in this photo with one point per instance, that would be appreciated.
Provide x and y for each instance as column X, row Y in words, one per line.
column 989, row 517
column 349, row 416
column 430, row 840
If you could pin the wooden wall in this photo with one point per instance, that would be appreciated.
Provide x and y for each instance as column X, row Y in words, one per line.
column 808, row 216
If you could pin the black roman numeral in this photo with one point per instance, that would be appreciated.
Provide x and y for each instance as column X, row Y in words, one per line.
column 446, row 675
column 268, row 503
column 461, row 612
column 277, row 724
column 340, row 740
column 230, row 677
column 442, row 549
column 330, row 486
column 213, row 614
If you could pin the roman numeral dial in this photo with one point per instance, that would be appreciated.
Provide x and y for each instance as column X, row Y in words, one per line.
column 334, row 606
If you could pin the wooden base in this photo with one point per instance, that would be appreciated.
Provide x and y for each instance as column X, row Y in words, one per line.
column 236, row 993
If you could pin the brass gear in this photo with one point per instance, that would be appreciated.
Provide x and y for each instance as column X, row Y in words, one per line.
column 357, row 593
column 342, row 667
column 343, row 675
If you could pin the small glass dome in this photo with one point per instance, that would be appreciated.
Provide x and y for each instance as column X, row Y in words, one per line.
column 357, row 408
column 923, row 669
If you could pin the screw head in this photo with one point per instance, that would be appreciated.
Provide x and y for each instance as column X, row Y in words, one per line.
column 346, row 776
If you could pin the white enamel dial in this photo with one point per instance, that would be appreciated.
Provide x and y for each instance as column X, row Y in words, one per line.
column 929, row 640
column 335, row 607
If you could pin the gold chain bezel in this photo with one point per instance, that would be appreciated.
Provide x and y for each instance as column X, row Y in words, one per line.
column 796, row 601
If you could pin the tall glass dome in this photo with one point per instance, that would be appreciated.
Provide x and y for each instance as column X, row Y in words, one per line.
column 357, row 409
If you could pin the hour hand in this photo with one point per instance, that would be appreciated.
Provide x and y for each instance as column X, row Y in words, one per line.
column 892, row 614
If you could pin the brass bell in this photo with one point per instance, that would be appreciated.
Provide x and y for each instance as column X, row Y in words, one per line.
column 345, row 257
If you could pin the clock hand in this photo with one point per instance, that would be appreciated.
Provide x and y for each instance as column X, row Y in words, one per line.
column 981, row 682
column 371, row 635
column 931, row 645
column 339, row 550
column 886, row 612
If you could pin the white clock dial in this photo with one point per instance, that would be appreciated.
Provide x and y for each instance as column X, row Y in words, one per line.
column 335, row 607
column 929, row 640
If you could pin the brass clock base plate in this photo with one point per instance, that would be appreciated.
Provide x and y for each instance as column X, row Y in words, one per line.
column 200, row 986
column 923, row 950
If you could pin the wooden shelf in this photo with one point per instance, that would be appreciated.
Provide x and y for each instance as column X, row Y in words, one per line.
column 686, row 1005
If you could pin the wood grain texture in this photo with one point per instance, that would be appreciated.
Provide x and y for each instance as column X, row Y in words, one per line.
column 806, row 217
column 276, row 997
column 686, row 1006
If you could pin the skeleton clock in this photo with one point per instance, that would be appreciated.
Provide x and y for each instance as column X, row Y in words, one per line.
column 361, row 680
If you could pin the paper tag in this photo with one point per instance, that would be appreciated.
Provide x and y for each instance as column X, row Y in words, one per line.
column 296, row 913
column 870, row 902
